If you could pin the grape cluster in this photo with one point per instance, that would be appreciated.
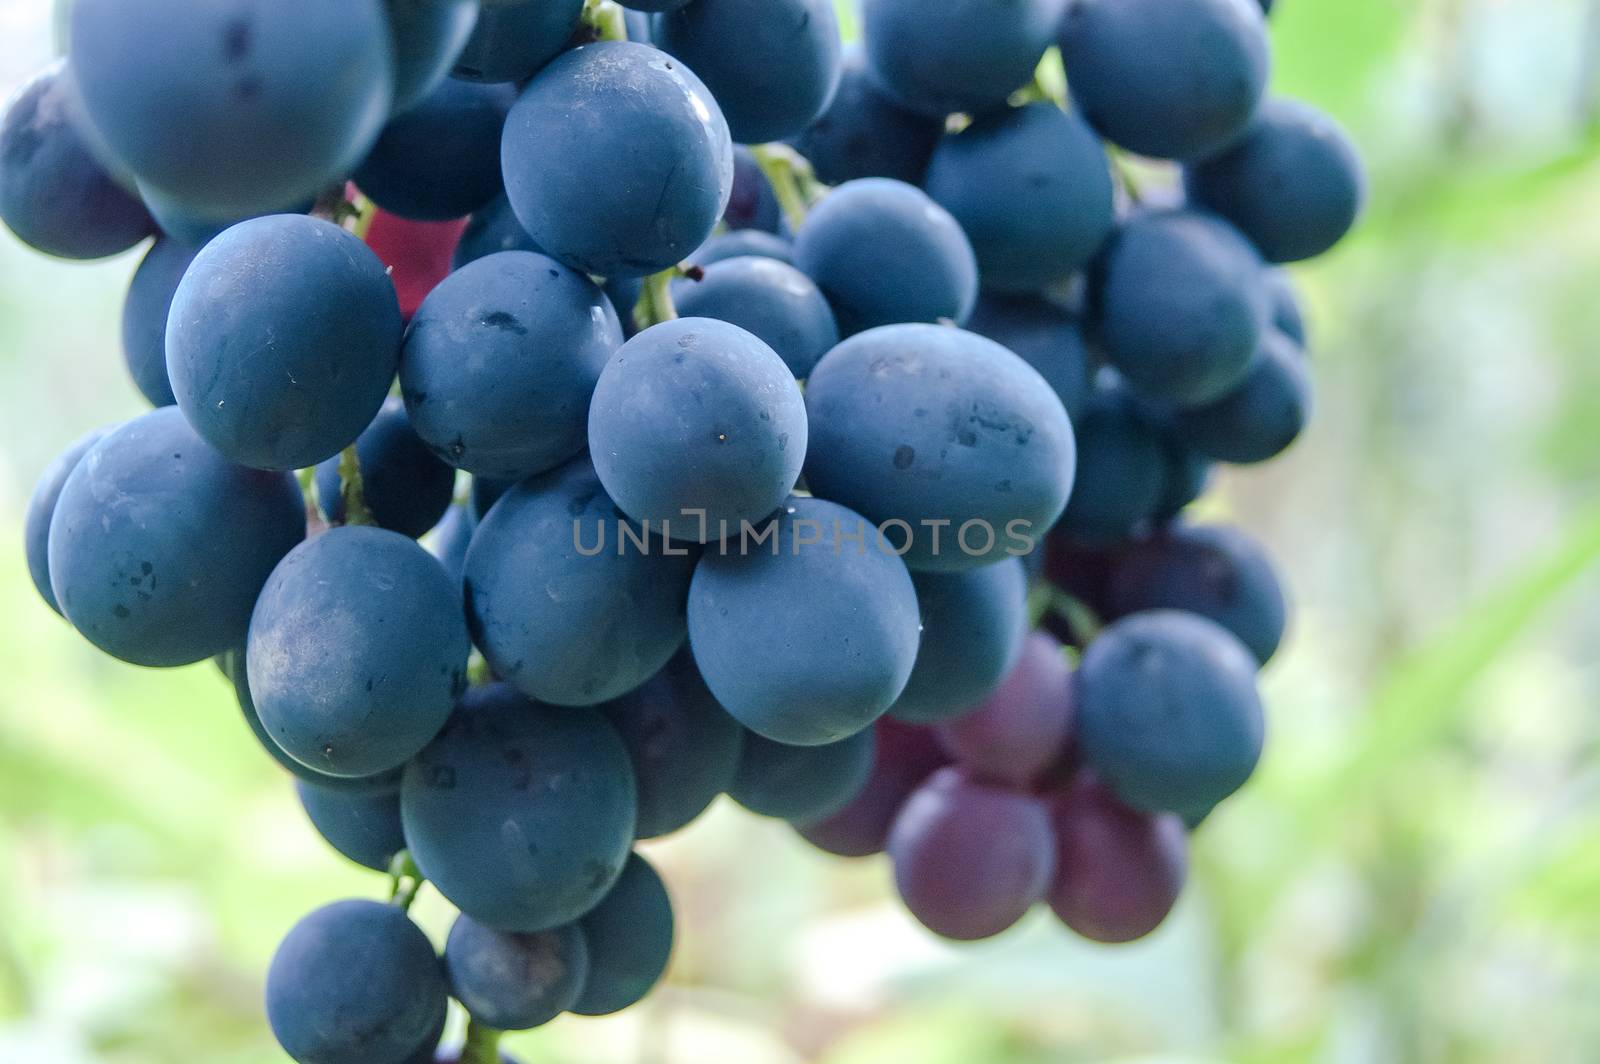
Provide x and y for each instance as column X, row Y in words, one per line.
column 537, row 282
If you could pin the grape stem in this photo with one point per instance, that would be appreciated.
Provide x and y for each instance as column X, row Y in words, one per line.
column 1049, row 81
column 361, row 220
column 478, row 671
column 482, row 1045
column 307, row 479
column 790, row 176
column 351, row 490
column 1083, row 620
column 1125, row 175
column 605, row 21
column 405, row 880
column 655, row 301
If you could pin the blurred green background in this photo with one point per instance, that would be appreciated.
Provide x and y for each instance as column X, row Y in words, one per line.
column 1414, row 876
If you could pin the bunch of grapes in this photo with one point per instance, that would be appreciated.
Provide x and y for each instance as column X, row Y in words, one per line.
column 805, row 423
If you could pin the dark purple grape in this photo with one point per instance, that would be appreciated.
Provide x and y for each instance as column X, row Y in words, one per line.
column 1216, row 571
column 906, row 755
column 969, row 859
column 1118, row 871
column 1024, row 728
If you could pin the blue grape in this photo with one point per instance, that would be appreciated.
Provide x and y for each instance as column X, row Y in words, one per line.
column 1287, row 315
column 1118, row 870
column 1293, row 183
column 159, row 546
column 1032, row 188
column 514, row 39
column 428, row 37
column 233, row 667
column 773, row 65
column 451, row 539
column 182, row 222
column 684, row 746
column 357, row 650
column 363, row 827
column 144, row 317
column 903, row 756
column 1023, row 730
column 238, row 108
column 501, row 361
column 484, row 494
column 638, row 26
column 283, row 340
column 426, row 1051
column 805, row 636
column 696, row 423
column 515, row 982
column 1171, row 79
column 654, row 5
column 560, row 604
column 774, row 301
column 54, row 194
column 1188, row 475
column 1047, row 337
column 742, row 243
column 407, row 489
column 1212, row 570
column 42, row 507
column 1168, row 714
column 802, row 783
column 959, row 55
column 494, row 228
column 1123, row 467
column 1178, row 305
column 625, row 293
column 630, row 941
column 970, row 859
column 865, row 133
column 884, row 253
column 1259, row 419
column 973, row 625
column 355, row 982
column 923, row 424
column 752, row 204
column 617, row 108
column 520, row 814
column 441, row 159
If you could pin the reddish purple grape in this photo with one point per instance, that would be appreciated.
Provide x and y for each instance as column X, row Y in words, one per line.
column 1118, row 871
column 1024, row 728
column 971, row 859
column 906, row 755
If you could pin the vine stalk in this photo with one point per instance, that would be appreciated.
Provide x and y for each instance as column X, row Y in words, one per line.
column 352, row 492
column 655, row 301
column 605, row 20
column 791, row 178
column 405, row 880
column 482, row 1045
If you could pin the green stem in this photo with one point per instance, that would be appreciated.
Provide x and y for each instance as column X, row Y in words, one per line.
column 361, row 223
column 655, row 302
column 478, row 672
column 307, row 479
column 1125, row 175
column 351, row 490
column 1085, row 623
column 789, row 175
column 604, row 19
column 482, row 1045
column 1049, row 80
column 405, row 880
